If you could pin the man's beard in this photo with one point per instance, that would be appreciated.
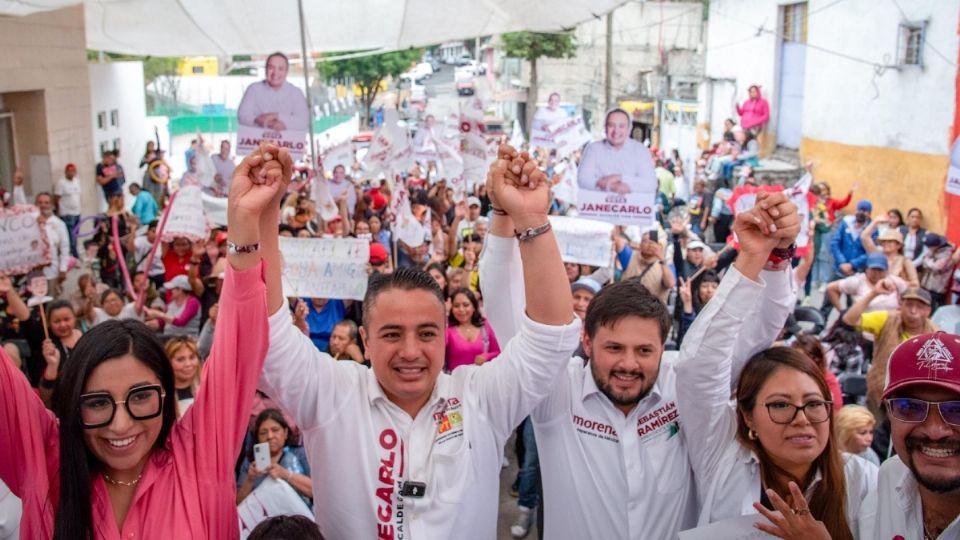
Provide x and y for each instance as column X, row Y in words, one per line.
column 936, row 485
column 617, row 398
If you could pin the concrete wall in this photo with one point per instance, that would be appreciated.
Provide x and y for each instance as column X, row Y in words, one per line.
column 737, row 57
column 637, row 35
column 864, row 121
column 44, row 81
column 118, row 86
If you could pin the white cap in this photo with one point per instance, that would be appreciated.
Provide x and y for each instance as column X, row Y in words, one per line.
column 696, row 244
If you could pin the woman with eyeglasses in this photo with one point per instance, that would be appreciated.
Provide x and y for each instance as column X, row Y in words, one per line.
column 115, row 462
column 771, row 451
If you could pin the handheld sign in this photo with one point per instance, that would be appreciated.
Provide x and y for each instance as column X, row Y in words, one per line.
column 325, row 267
column 583, row 241
column 618, row 183
column 187, row 218
column 24, row 241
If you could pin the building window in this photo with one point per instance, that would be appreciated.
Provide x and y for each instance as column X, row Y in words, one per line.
column 795, row 23
column 101, row 120
column 912, row 39
column 104, row 147
column 115, row 118
column 116, row 145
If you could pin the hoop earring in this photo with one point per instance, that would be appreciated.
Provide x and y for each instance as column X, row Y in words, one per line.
column 751, row 434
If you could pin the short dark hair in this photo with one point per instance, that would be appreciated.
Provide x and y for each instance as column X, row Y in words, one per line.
column 406, row 279
column 615, row 111
column 624, row 299
column 286, row 527
column 278, row 53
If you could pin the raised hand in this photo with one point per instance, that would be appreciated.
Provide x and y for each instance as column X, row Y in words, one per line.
column 791, row 523
column 257, row 179
column 521, row 190
column 884, row 286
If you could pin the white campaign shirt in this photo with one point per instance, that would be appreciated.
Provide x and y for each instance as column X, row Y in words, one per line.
column 69, row 193
column 363, row 446
column 894, row 510
column 288, row 103
column 605, row 475
column 736, row 324
column 59, row 240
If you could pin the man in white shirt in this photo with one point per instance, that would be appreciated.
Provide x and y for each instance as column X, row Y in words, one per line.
column 617, row 164
column 918, row 495
column 59, row 241
column 859, row 285
column 224, row 165
column 406, row 451
column 543, row 119
column 274, row 103
column 338, row 185
column 613, row 454
column 66, row 195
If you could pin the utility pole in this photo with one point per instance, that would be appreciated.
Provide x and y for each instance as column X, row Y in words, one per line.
column 608, row 78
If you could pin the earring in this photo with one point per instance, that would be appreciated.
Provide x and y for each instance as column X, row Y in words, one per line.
column 751, row 434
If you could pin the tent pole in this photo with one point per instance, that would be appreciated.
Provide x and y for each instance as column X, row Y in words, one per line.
column 314, row 157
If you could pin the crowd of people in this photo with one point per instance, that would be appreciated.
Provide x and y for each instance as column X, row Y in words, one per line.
column 616, row 381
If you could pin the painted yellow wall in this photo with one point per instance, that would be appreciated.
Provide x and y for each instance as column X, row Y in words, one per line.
column 889, row 178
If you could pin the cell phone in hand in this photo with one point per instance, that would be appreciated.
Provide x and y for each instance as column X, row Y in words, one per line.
column 261, row 456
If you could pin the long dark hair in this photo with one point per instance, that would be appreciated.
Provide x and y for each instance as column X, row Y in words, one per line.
column 829, row 500
column 106, row 341
column 477, row 318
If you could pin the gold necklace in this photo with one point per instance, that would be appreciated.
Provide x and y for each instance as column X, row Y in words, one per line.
column 131, row 483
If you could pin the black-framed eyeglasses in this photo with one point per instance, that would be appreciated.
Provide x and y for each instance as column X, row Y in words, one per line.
column 784, row 412
column 97, row 409
column 915, row 411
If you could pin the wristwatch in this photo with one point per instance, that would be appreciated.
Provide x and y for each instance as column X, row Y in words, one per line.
column 235, row 249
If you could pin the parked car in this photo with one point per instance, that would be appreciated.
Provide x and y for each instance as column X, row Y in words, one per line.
column 433, row 61
column 465, row 87
column 464, row 59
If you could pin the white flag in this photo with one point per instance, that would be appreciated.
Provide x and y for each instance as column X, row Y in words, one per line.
column 516, row 138
column 326, row 206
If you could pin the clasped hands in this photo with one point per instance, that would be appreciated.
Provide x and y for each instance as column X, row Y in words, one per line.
column 517, row 186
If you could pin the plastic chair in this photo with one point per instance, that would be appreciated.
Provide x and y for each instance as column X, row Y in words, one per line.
column 947, row 318
column 854, row 388
column 812, row 318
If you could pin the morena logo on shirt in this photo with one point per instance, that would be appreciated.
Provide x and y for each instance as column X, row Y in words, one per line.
column 449, row 421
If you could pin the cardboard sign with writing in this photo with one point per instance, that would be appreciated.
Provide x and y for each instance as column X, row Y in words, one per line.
column 24, row 240
column 583, row 241
column 250, row 137
column 186, row 217
column 325, row 267
column 638, row 209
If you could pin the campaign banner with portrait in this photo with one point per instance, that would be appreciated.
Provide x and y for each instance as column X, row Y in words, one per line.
column 273, row 110
column 584, row 241
column 325, row 267
column 547, row 116
column 953, row 172
column 616, row 179
column 24, row 240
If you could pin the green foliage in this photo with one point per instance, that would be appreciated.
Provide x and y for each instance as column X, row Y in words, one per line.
column 533, row 45
column 369, row 72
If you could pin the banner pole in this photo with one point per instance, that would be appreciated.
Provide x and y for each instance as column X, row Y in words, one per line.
column 314, row 157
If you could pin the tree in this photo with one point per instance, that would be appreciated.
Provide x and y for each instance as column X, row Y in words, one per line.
column 532, row 46
column 369, row 72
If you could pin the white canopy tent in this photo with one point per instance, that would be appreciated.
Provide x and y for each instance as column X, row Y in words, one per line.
column 229, row 27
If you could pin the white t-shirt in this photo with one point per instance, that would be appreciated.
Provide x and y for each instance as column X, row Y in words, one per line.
column 894, row 509
column 141, row 246
column 288, row 102
column 224, row 168
column 69, row 193
column 857, row 286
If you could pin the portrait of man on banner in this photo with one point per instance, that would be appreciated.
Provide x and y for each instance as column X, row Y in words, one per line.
column 273, row 110
column 616, row 178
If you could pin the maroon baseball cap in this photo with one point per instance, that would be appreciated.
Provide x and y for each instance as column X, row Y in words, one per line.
column 928, row 360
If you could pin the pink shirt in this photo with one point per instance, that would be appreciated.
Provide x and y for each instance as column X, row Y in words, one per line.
column 188, row 488
column 461, row 352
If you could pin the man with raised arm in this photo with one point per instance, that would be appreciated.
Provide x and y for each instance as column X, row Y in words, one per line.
column 404, row 450
column 614, row 457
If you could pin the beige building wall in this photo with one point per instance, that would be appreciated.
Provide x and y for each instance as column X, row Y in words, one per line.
column 44, row 81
